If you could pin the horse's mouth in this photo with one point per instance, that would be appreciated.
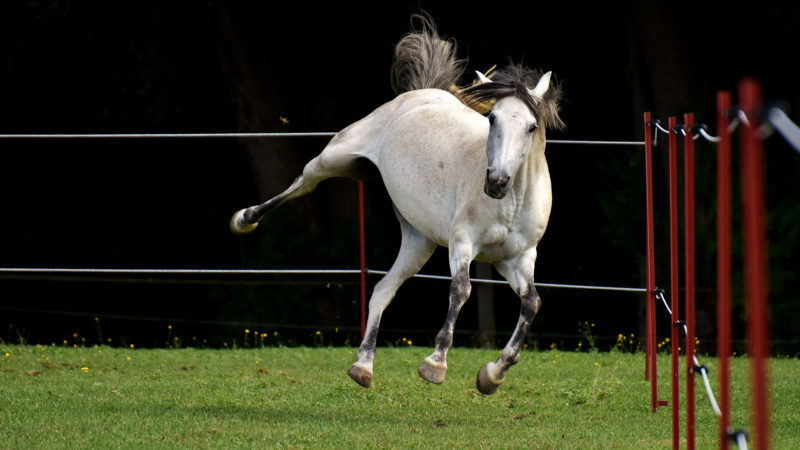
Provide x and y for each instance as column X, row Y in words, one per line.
column 494, row 191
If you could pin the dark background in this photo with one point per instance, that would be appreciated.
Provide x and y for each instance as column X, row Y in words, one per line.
column 219, row 66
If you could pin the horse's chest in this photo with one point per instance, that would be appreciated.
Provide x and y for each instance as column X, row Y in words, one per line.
column 500, row 240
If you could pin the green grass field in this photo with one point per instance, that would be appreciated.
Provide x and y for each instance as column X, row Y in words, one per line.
column 302, row 397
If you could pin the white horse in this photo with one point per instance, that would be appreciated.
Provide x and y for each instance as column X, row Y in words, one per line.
column 477, row 185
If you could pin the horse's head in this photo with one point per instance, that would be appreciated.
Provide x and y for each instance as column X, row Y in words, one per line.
column 520, row 114
column 512, row 126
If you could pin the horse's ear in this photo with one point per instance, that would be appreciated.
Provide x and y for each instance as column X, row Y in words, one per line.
column 482, row 77
column 541, row 86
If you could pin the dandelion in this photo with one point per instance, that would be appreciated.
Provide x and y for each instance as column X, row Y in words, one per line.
column 169, row 327
column 246, row 331
column 99, row 351
column 596, row 364
column 85, row 369
column 97, row 319
column 319, row 333
column 264, row 335
column 128, row 358
column 666, row 340
column 65, row 342
column 74, row 345
column 131, row 346
column 108, row 340
column 552, row 346
column 409, row 342
column 275, row 333
column 592, row 323
column 75, row 335
column 8, row 354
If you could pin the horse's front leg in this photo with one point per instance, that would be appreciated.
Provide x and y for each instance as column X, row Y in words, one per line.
column 520, row 277
column 433, row 368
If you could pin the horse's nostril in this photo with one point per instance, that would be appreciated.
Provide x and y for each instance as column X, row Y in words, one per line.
column 502, row 181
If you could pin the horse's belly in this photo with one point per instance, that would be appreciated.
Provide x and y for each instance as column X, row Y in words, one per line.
column 429, row 211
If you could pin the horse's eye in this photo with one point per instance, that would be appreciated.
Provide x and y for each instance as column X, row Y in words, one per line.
column 491, row 119
column 533, row 127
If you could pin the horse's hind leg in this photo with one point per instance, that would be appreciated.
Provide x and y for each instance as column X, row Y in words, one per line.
column 415, row 250
column 336, row 160
column 520, row 277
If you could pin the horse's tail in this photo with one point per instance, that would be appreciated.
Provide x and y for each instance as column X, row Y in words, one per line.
column 424, row 60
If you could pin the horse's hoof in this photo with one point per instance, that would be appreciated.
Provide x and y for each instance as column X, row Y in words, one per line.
column 238, row 225
column 431, row 371
column 360, row 375
column 485, row 383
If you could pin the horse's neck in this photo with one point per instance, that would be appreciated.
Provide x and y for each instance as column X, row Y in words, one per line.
column 534, row 167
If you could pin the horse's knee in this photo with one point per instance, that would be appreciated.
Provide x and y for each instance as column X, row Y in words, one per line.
column 530, row 304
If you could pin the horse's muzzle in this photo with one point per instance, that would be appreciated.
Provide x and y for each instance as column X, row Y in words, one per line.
column 496, row 185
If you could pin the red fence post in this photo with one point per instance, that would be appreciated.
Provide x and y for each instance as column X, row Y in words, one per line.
column 650, row 297
column 673, row 243
column 754, row 232
column 724, row 265
column 689, row 257
column 362, row 254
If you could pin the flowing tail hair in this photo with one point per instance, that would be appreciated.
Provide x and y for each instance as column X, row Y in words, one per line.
column 424, row 60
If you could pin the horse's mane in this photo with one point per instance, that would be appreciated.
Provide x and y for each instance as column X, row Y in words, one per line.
column 516, row 80
column 424, row 60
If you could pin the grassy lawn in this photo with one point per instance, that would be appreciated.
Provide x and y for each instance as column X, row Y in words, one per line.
column 302, row 397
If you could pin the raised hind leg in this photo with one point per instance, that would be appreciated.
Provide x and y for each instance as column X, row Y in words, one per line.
column 519, row 274
column 338, row 159
column 415, row 250
column 433, row 367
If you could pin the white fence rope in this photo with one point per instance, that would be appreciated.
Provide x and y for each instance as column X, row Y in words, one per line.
column 254, row 136
column 703, row 370
column 117, row 271
column 788, row 129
